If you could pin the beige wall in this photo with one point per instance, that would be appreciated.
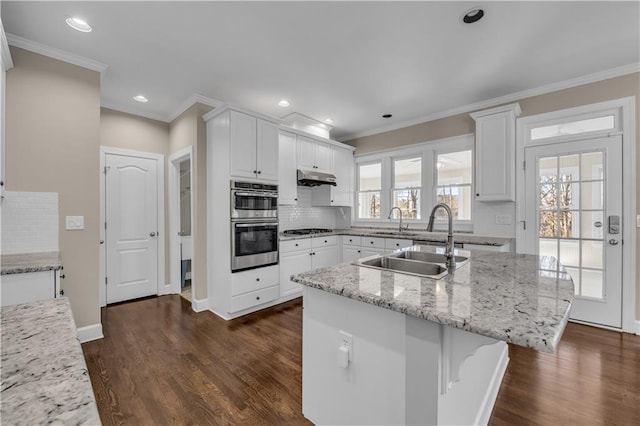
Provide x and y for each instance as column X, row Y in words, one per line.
column 52, row 140
column 189, row 130
column 128, row 131
column 614, row 88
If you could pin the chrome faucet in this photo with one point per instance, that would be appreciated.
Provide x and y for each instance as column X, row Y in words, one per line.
column 400, row 227
column 451, row 260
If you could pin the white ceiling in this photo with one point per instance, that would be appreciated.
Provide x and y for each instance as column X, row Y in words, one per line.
column 351, row 61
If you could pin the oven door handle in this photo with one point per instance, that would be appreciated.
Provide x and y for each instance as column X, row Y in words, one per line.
column 256, row 194
column 250, row 225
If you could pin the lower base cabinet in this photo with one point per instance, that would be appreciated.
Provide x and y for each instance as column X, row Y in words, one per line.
column 305, row 254
column 254, row 287
column 29, row 287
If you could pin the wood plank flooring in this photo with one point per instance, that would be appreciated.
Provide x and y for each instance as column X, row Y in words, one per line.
column 161, row 363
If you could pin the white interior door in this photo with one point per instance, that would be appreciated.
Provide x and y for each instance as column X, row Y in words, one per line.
column 573, row 199
column 131, row 193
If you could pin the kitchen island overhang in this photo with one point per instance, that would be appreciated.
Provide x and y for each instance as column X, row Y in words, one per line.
column 436, row 352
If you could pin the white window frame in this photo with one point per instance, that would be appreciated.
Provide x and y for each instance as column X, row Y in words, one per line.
column 428, row 151
column 358, row 191
column 421, row 187
column 624, row 111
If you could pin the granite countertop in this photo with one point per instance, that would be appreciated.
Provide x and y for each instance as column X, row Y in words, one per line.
column 29, row 262
column 512, row 297
column 44, row 377
column 409, row 235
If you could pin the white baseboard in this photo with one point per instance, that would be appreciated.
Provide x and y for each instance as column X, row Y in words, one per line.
column 89, row 333
column 164, row 290
column 637, row 331
column 199, row 305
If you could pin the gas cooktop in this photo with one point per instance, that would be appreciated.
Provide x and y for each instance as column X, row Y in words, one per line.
column 306, row 231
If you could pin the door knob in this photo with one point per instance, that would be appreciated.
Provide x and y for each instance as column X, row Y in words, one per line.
column 152, row 234
column 613, row 242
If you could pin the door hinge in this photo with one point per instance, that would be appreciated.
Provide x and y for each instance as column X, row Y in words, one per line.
column 105, row 225
column 106, row 280
column 106, row 169
column 524, row 165
column 524, row 224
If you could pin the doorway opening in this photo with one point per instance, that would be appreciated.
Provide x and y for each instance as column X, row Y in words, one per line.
column 181, row 219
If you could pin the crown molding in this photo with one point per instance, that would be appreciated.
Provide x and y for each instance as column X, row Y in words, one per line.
column 225, row 107
column 549, row 88
column 5, row 54
column 58, row 54
column 192, row 100
column 133, row 111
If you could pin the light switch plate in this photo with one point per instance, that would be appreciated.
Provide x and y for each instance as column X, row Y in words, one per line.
column 75, row 223
column 503, row 219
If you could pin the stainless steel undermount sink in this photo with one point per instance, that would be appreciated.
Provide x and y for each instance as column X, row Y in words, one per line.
column 405, row 266
column 422, row 256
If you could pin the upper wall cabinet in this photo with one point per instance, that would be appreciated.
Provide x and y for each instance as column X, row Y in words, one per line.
column 340, row 195
column 288, row 187
column 495, row 153
column 253, row 147
column 314, row 155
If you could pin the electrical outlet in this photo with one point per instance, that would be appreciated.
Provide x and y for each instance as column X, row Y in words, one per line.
column 503, row 219
column 346, row 340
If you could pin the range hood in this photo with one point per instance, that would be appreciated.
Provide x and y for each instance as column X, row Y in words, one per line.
column 313, row 178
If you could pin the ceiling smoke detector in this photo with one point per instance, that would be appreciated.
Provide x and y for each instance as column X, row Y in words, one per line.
column 473, row 15
column 140, row 98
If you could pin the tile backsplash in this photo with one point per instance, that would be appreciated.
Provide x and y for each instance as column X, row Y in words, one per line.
column 306, row 216
column 29, row 222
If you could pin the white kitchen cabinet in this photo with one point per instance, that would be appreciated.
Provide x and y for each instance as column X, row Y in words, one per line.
column 354, row 247
column 351, row 253
column 340, row 195
column 495, row 153
column 302, row 255
column 29, row 287
column 287, row 182
column 314, row 154
column 253, row 147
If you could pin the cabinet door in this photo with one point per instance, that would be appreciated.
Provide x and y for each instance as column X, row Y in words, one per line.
column 291, row 263
column 287, row 182
column 371, row 251
column 306, row 154
column 267, row 151
column 351, row 253
column 323, row 157
column 495, row 153
column 324, row 256
column 243, row 145
column 343, row 165
column 27, row 287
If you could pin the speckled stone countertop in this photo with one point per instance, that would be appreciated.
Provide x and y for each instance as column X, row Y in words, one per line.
column 29, row 262
column 44, row 378
column 409, row 235
column 511, row 297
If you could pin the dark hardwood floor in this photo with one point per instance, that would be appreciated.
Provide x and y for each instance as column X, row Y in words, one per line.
column 160, row 363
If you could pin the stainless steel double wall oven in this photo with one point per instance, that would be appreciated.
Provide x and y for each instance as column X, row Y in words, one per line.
column 254, row 225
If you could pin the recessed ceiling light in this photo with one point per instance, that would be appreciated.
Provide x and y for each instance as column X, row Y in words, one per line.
column 284, row 103
column 329, row 121
column 140, row 98
column 472, row 15
column 387, row 116
column 79, row 25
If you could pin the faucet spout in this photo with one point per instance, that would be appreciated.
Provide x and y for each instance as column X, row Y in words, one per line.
column 451, row 261
column 400, row 228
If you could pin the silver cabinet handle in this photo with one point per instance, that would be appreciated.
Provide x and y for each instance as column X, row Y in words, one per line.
column 152, row 234
column 613, row 242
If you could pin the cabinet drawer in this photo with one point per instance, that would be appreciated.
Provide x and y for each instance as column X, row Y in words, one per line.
column 397, row 243
column 329, row 240
column 254, row 279
column 351, row 240
column 373, row 242
column 293, row 245
column 254, row 298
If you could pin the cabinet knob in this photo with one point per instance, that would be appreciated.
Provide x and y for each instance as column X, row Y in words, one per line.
column 295, row 199
column 1, row 183
column 371, row 242
column 359, row 251
column 477, row 194
column 325, row 241
column 259, row 171
column 257, row 279
column 255, row 171
column 397, row 245
column 63, row 276
column 61, row 292
column 257, row 297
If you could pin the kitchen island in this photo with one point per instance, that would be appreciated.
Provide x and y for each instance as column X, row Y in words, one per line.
column 44, row 377
column 419, row 350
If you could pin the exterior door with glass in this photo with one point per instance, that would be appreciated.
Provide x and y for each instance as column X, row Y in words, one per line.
column 574, row 213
